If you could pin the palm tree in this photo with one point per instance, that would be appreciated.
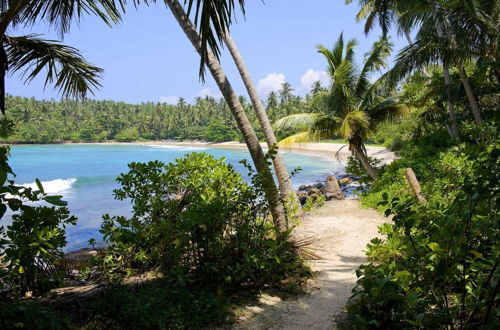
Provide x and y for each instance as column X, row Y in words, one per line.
column 316, row 88
column 351, row 107
column 453, row 34
column 285, row 93
column 385, row 12
column 29, row 54
column 285, row 183
column 238, row 112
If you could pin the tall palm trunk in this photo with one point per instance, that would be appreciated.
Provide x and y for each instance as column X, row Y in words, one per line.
column 285, row 183
column 465, row 80
column 470, row 95
column 239, row 115
column 447, row 82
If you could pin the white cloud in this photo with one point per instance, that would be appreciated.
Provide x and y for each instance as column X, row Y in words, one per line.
column 169, row 99
column 311, row 76
column 206, row 91
column 272, row 82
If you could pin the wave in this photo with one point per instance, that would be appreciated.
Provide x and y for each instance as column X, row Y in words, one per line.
column 53, row 186
column 180, row 148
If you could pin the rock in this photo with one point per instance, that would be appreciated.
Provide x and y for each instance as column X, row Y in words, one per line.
column 303, row 187
column 344, row 181
column 302, row 196
column 319, row 186
column 314, row 191
column 332, row 189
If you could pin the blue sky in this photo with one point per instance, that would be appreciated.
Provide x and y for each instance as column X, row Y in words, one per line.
column 148, row 58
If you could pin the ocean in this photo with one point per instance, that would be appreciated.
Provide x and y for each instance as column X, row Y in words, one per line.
column 84, row 174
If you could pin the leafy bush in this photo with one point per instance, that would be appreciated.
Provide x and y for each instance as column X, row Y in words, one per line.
column 438, row 266
column 195, row 220
column 30, row 315
column 32, row 245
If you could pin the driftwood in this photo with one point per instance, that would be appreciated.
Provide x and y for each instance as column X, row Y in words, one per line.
column 414, row 185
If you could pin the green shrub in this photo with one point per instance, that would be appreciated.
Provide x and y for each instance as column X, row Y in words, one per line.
column 439, row 263
column 32, row 245
column 195, row 220
column 30, row 315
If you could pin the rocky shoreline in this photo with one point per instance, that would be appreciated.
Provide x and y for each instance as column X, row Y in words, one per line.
column 335, row 187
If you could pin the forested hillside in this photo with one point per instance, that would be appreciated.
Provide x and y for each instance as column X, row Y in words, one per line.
column 207, row 119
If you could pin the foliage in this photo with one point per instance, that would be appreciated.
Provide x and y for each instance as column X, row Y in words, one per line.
column 96, row 121
column 352, row 106
column 355, row 168
column 30, row 315
column 438, row 266
column 195, row 220
column 313, row 202
column 32, row 245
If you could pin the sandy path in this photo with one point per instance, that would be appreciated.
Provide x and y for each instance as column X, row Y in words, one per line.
column 345, row 229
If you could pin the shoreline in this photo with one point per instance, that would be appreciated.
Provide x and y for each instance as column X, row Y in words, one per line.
column 331, row 151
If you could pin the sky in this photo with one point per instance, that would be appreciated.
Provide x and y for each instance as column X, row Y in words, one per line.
column 147, row 57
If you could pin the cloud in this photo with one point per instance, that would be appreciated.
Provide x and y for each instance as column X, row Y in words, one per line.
column 206, row 91
column 169, row 99
column 311, row 76
column 272, row 82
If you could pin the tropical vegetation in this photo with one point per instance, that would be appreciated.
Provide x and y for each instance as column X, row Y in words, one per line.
column 352, row 106
column 200, row 238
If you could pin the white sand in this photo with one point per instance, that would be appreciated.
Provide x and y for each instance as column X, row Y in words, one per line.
column 344, row 229
column 331, row 150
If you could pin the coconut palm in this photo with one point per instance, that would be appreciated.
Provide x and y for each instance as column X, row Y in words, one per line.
column 31, row 55
column 385, row 12
column 351, row 107
column 238, row 112
column 285, row 183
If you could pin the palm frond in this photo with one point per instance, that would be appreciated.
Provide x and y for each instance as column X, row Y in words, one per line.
column 61, row 13
column 390, row 109
column 299, row 122
column 354, row 121
column 299, row 138
column 64, row 66
column 213, row 18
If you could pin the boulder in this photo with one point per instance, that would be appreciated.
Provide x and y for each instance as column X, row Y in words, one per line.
column 314, row 191
column 304, row 187
column 344, row 181
column 332, row 189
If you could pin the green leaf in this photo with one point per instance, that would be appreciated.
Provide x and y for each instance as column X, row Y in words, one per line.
column 3, row 177
column 39, row 185
column 55, row 200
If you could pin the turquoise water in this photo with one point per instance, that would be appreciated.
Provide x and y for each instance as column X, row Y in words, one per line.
column 85, row 175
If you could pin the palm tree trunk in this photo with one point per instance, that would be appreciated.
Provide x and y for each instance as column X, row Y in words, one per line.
column 470, row 95
column 372, row 171
column 451, row 107
column 285, row 183
column 447, row 82
column 359, row 153
column 239, row 115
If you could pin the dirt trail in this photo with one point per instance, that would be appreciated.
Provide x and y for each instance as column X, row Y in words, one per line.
column 345, row 229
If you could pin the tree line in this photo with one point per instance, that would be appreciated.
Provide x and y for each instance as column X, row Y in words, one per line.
column 205, row 119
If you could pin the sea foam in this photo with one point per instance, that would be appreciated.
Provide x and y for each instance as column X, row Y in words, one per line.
column 53, row 186
column 180, row 148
